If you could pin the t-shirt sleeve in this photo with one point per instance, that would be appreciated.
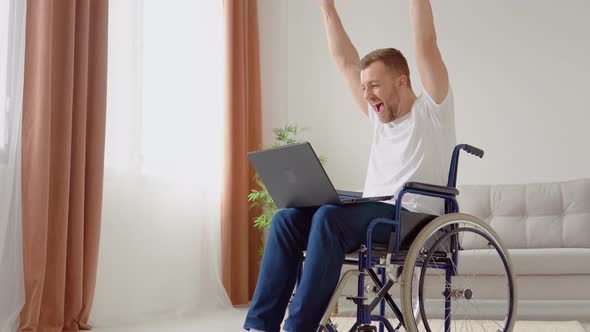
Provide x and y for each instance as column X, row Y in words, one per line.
column 441, row 113
column 445, row 103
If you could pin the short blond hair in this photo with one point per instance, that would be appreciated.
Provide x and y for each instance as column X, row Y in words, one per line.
column 392, row 58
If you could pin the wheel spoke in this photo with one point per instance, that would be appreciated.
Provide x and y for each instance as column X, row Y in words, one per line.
column 466, row 313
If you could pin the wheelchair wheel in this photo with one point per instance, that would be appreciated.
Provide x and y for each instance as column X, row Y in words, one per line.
column 478, row 294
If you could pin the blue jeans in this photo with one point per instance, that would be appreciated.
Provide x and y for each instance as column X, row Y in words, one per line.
column 327, row 233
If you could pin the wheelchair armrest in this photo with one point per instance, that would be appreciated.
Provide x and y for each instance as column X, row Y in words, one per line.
column 432, row 188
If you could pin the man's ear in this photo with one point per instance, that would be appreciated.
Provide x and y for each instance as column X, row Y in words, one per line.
column 403, row 81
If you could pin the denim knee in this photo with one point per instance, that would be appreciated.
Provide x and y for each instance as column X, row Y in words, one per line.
column 326, row 214
column 327, row 219
column 289, row 228
column 282, row 220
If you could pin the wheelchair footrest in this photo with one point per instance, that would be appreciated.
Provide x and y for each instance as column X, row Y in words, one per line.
column 356, row 299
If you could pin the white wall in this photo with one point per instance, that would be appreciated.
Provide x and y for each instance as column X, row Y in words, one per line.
column 519, row 71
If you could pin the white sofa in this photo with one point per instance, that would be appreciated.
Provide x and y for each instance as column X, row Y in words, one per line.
column 547, row 230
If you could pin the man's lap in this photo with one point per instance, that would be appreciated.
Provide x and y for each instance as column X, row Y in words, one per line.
column 352, row 219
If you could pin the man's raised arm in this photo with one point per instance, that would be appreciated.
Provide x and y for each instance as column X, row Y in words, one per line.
column 431, row 66
column 343, row 51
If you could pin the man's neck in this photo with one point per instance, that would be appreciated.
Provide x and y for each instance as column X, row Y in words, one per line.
column 407, row 103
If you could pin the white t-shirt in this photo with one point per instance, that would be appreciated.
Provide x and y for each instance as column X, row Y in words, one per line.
column 415, row 147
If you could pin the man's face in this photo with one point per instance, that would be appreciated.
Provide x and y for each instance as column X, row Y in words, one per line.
column 381, row 89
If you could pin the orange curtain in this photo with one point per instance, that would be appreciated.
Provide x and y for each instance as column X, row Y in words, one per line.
column 64, row 106
column 240, row 240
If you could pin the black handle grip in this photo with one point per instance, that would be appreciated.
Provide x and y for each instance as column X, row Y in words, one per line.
column 473, row 150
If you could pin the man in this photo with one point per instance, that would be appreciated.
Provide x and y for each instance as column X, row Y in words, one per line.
column 413, row 140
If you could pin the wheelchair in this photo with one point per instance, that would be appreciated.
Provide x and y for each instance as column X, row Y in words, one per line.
column 422, row 258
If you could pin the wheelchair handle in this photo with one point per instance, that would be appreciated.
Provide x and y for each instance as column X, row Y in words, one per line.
column 473, row 150
column 452, row 181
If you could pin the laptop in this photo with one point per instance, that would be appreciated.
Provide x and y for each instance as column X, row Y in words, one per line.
column 294, row 177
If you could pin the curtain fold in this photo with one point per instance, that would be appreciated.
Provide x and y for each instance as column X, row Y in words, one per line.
column 240, row 240
column 62, row 160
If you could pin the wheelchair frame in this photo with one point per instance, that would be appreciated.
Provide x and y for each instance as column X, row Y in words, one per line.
column 366, row 262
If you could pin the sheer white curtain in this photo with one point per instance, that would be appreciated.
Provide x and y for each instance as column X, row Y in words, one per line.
column 160, row 240
column 12, row 42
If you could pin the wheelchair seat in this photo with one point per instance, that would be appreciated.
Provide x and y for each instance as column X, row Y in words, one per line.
column 411, row 224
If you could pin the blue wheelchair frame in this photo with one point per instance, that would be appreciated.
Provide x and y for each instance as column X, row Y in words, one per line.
column 366, row 260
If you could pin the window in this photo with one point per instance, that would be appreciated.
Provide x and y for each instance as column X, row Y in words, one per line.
column 165, row 86
column 11, row 37
column 4, row 34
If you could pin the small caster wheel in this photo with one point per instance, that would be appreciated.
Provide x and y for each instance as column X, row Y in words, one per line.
column 367, row 328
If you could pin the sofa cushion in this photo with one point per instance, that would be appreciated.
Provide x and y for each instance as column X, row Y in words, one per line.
column 542, row 215
column 542, row 261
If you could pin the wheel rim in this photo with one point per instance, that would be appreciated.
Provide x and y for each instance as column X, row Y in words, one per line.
column 463, row 293
column 468, row 294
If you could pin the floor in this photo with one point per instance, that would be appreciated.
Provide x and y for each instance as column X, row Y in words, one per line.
column 232, row 320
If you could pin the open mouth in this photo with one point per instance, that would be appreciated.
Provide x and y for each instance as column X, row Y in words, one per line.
column 378, row 107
